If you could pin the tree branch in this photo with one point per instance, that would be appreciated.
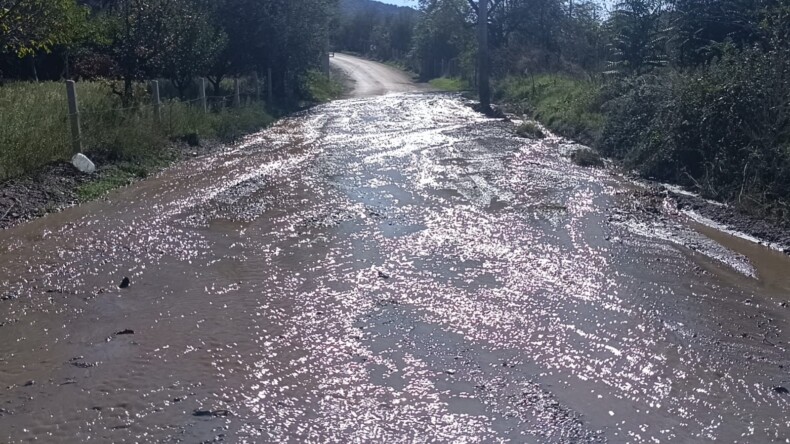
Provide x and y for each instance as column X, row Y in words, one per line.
column 10, row 10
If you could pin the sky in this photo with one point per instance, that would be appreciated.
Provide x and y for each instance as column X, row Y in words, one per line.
column 401, row 2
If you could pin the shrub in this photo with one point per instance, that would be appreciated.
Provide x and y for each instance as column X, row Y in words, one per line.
column 530, row 130
column 723, row 129
column 587, row 158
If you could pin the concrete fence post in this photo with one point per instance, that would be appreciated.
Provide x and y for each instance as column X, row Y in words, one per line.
column 203, row 99
column 155, row 100
column 74, row 117
column 269, row 92
column 325, row 64
column 236, row 95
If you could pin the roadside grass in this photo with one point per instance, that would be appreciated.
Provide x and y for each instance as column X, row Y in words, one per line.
column 124, row 173
column 451, row 84
column 567, row 106
column 35, row 131
column 321, row 88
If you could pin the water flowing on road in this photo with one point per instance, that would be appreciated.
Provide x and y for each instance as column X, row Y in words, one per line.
column 393, row 268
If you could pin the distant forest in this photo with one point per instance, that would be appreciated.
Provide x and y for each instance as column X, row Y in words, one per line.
column 375, row 29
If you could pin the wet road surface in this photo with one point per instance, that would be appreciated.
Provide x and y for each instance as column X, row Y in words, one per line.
column 386, row 269
column 372, row 78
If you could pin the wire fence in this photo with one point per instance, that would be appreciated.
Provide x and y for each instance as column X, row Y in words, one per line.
column 36, row 126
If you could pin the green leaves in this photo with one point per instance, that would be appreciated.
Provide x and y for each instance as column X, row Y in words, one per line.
column 29, row 26
column 192, row 43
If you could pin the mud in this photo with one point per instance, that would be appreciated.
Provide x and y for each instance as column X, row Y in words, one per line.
column 762, row 230
column 388, row 269
column 53, row 187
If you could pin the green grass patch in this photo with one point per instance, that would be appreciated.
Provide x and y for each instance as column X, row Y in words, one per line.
column 568, row 106
column 113, row 179
column 321, row 88
column 35, row 125
column 124, row 173
column 451, row 84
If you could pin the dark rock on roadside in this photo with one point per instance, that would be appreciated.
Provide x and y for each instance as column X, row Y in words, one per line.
column 125, row 283
column 9, row 296
column 781, row 390
column 80, row 363
column 125, row 332
column 212, row 413
column 191, row 139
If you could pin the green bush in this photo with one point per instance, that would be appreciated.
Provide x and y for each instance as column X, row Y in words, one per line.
column 587, row 158
column 723, row 129
column 631, row 132
column 530, row 130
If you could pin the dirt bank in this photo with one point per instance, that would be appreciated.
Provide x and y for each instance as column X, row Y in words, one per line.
column 59, row 185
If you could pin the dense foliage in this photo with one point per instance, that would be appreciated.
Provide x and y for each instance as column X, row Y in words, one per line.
column 691, row 91
column 374, row 29
column 132, row 40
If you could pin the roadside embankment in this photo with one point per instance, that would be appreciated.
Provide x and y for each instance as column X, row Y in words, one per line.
column 676, row 131
column 126, row 143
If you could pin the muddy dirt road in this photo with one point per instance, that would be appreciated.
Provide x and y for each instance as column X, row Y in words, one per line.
column 373, row 78
column 393, row 268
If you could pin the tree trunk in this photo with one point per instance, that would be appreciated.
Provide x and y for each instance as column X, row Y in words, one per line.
column 33, row 70
column 181, row 86
column 484, row 87
column 127, row 92
column 215, row 83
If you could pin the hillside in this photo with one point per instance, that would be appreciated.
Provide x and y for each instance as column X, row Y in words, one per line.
column 352, row 7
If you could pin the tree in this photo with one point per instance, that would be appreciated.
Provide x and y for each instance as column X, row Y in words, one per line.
column 444, row 32
column 241, row 23
column 192, row 43
column 637, row 40
column 483, row 10
column 701, row 27
column 29, row 26
column 138, row 32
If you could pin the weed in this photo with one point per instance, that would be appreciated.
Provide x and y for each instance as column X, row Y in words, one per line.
column 451, row 84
